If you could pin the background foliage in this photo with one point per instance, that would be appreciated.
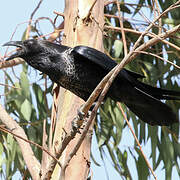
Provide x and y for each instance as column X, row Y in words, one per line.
column 29, row 101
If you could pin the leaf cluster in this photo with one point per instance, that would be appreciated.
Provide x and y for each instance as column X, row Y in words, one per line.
column 27, row 103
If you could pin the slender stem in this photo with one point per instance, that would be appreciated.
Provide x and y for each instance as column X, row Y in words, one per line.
column 137, row 141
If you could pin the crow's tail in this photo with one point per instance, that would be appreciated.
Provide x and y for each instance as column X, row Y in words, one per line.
column 146, row 104
column 158, row 93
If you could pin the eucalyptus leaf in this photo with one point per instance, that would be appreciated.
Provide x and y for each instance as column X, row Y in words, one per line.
column 26, row 109
column 118, row 47
column 24, row 83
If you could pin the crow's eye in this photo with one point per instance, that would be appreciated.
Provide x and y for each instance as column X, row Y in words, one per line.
column 30, row 43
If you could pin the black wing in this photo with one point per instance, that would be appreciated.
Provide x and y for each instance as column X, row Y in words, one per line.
column 107, row 63
column 101, row 59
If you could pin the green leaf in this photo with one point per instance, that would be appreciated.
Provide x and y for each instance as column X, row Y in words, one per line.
column 122, row 157
column 152, row 134
column 119, row 124
column 142, row 132
column 40, row 98
column 26, row 109
column 125, row 9
column 94, row 160
column 24, row 83
column 142, row 167
column 1, row 156
column 167, row 153
column 118, row 47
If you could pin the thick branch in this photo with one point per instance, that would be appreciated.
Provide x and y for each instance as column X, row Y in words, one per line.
column 32, row 163
column 14, row 62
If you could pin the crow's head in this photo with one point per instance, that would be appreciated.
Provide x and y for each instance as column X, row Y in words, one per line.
column 47, row 57
column 35, row 52
column 25, row 49
column 40, row 54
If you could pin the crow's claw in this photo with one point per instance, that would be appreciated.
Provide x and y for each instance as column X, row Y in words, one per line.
column 79, row 119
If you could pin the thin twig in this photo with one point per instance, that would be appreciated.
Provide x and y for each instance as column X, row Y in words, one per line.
column 150, row 34
column 45, row 156
column 122, row 29
column 136, row 139
column 159, row 57
column 160, row 20
column 78, row 144
column 44, row 18
column 30, row 142
column 90, row 10
column 30, row 19
column 128, row 19
column 59, row 13
column 7, row 85
column 154, row 40
column 53, row 117
column 125, row 29
column 5, row 54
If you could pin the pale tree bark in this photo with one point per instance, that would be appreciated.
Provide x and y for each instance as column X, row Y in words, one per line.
column 27, row 153
column 84, row 21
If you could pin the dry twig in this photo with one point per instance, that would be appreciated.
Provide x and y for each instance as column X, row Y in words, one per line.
column 122, row 29
column 136, row 139
column 159, row 57
column 31, row 17
column 13, row 62
column 150, row 34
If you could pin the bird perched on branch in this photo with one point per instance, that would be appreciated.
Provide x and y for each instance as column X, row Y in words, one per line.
column 81, row 68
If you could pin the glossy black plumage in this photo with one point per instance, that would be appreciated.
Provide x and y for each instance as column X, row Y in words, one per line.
column 81, row 68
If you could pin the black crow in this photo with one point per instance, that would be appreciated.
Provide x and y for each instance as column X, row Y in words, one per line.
column 81, row 68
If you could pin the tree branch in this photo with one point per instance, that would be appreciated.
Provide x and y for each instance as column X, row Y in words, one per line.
column 11, row 63
column 30, row 20
column 122, row 29
column 32, row 163
column 159, row 57
column 139, row 33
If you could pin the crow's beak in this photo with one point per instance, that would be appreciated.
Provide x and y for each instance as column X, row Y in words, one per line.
column 20, row 50
column 14, row 43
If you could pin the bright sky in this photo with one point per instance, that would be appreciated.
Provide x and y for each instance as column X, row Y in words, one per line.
column 13, row 13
